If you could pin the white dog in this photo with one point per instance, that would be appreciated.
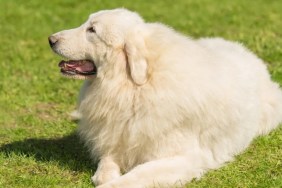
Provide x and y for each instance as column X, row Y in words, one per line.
column 159, row 107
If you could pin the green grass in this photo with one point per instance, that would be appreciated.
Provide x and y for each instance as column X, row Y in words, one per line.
column 38, row 146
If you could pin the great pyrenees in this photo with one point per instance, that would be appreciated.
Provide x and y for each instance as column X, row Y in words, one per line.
column 158, row 108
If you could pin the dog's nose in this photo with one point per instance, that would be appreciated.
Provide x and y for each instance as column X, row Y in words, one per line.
column 52, row 40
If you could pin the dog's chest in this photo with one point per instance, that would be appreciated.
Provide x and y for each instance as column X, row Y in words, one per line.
column 125, row 124
column 110, row 126
column 129, row 146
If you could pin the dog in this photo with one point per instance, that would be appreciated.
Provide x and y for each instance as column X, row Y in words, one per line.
column 158, row 108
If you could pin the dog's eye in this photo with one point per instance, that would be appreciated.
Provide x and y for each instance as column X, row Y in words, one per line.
column 91, row 30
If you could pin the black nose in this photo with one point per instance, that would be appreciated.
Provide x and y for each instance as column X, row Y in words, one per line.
column 52, row 40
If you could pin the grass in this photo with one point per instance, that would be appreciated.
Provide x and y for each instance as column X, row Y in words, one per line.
column 38, row 145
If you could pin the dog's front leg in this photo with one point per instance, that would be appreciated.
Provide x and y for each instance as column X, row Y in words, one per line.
column 107, row 170
column 168, row 172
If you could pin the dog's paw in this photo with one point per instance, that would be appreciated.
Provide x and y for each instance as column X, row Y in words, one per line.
column 100, row 178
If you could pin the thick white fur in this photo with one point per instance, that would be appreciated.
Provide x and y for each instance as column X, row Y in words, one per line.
column 165, row 108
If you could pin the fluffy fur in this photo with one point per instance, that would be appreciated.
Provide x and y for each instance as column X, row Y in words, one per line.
column 164, row 108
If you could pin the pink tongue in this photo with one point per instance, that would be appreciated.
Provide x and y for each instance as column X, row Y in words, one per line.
column 86, row 67
column 82, row 67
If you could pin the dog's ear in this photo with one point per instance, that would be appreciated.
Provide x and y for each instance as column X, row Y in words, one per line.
column 135, row 51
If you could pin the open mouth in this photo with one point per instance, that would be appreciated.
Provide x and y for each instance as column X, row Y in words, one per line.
column 78, row 69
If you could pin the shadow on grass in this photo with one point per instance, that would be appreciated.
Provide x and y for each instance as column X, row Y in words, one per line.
column 68, row 151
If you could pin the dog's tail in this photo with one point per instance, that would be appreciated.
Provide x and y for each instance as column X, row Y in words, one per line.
column 271, row 107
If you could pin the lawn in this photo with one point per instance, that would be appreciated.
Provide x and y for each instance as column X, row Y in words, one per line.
column 38, row 145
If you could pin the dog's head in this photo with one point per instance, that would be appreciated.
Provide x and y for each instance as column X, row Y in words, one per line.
column 109, row 42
